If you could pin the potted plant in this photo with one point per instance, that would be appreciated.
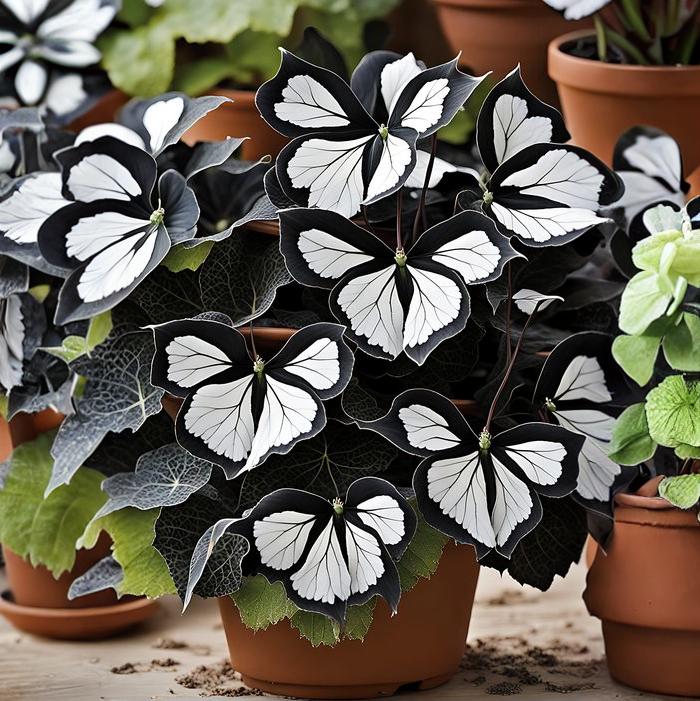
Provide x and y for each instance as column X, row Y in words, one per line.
column 499, row 34
column 48, row 57
column 72, row 350
column 227, row 50
column 641, row 57
column 650, row 636
column 321, row 453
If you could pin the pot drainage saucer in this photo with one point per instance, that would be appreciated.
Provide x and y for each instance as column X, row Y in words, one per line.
column 76, row 623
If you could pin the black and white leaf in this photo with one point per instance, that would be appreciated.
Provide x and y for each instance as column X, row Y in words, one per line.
column 239, row 410
column 394, row 301
column 106, row 574
column 531, row 301
column 14, row 277
column 482, row 490
column 577, row 9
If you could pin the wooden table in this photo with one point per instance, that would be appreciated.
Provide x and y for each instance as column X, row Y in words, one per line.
column 546, row 644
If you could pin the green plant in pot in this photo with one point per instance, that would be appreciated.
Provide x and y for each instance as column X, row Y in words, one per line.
column 641, row 56
column 641, row 585
column 74, row 345
column 225, row 49
column 314, row 460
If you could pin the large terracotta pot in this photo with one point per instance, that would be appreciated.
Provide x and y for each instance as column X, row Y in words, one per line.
column 420, row 647
column 238, row 118
column 496, row 35
column 600, row 101
column 26, row 427
column 646, row 591
column 104, row 110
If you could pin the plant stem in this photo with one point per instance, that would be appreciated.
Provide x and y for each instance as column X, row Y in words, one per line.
column 627, row 46
column 399, row 242
column 601, row 39
column 509, row 305
column 688, row 43
column 636, row 20
column 420, row 212
column 508, row 372
column 252, row 342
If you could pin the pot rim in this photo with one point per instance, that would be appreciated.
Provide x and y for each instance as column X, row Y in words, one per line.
column 640, row 502
column 8, row 605
column 626, row 80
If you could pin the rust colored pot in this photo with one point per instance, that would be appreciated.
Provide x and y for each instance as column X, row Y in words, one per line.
column 601, row 100
column 420, row 647
column 26, row 427
column 496, row 35
column 36, row 586
column 104, row 110
column 646, row 592
column 238, row 118
column 5, row 440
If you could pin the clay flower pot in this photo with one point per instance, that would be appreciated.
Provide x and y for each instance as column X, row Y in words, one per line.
column 238, row 118
column 420, row 647
column 104, row 110
column 601, row 100
column 646, row 592
column 496, row 35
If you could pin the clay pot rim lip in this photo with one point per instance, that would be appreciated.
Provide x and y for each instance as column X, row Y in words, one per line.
column 640, row 502
column 587, row 75
column 7, row 606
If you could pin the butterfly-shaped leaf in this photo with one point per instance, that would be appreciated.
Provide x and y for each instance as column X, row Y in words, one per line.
column 394, row 301
column 331, row 554
column 238, row 410
column 481, row 490
column 577, row 9
column 340, row 157
column 582, row 388
column 121, row 223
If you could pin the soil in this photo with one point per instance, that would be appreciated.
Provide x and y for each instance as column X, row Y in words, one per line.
column 136, row 667
column 216, row 680
column 172, row 644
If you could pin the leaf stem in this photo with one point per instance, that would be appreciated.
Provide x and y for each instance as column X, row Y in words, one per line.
column 252, row 342
column 509, row 304
column 601, row 39
column 399, row 201
column 420, row 212
column 627, row 46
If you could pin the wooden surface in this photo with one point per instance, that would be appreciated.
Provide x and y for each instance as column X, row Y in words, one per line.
column 523, row 644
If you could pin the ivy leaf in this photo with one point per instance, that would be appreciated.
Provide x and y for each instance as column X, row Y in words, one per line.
column 631, row 443
column 682, row 491
column 316, row 628
column 261, row 604
column 423, row 554
column 673, row 412
column 636, row 355
column 359, row 404
column 105, row 574
column 118, row 396
column 45, row 530
column 682, row 344
column 164, row 477
column 71, row 348
column 180, row 258
column 140, row 61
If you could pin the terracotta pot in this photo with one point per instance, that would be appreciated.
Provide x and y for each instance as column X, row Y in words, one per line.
column 26, row 427
column 36, row 586
column 496, row 35
column 600, row 101
column 5, row 440
column 646, row 592
column 268, row 339
column 239, row 118
column 420, row 647
column 104, row 110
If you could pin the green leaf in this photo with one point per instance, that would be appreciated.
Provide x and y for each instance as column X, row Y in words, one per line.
column 316, row 628
column 636, row 355
column 100, row 327
column 40, row 292
column 360, row 619
column 180, row 258
column 687, row 452
column 71, row 348
column 643, row 301
column 682, row 491
column 198, row 77
column 202, row 22
column 254, row 57
column 631, row 443
column 673, row 412
column 132, row 532
column 141, row 61
column 261, row 604
column 682, row 344
column 422, row 555
column 671, row 252
column 46, row 530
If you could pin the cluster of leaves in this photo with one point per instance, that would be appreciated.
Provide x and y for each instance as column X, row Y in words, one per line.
column 640, row 33
column 193, row 48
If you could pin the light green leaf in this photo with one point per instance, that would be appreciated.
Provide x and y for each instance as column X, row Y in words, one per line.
column 262, row 604
column 631, row 443
column 179, row 258
column 687, row 452
column 316, row 628
column 682, row 344
column 636, row 355
column 654, row 254
column 643, row 301
column 132, row 532
column 3, row 405
column 71, row 347
column 673, row 412
column 422, row 555
column 198, row 77
column 46, row 530
column 40, row 292
column 253, row 57
column 360, row 619
column 141, row 61
column 202, row 22
column 100, row 327
column 682, row 491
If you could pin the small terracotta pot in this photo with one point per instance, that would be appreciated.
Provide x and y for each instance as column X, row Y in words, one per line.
column 238, row 118
column 26, row 427
column 104, row 110
column 420, row 647
column 5, row 440
column 496, row 35
column 602, row 100
column 36, row 586
column 646, row 592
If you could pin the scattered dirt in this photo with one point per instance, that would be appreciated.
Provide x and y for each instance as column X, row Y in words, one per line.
column 523, row 664
column 136, row 667
column 172, row 644
column 510, row 597
column 219, row 679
